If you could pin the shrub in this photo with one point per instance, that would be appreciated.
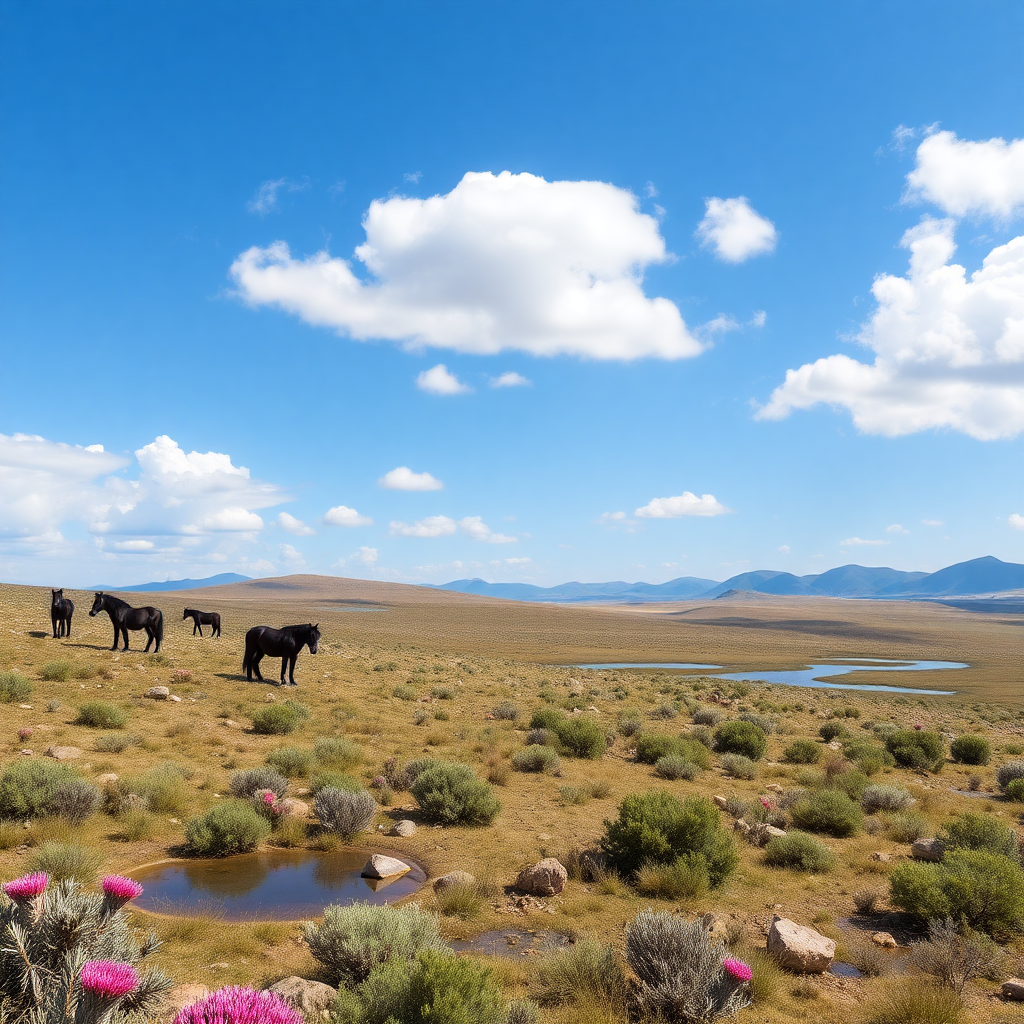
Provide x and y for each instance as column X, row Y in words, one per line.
column 351, row 941
column 742, row 738
column 885, row 798
column 587, row 970
column 674, row 767
column 707, row 716
column 954, row 958
column 226, row 828
column 506, row 711
column 684, row 878
column 802, row 752
column 344, row 813
column 906, row 826
column 74, row 800
column 1015, row 789
column 418, row 765
column 828, row 812
column 163, row 788
column 866, row 900
column 114, row 742
column 27, row 787
column 451, row 794
column 977, row 889
column 335, row 780
column 57, row 671
column 404, row 692
column 831, row 731
column 62, row 861
column 535, row 759
column 135, row 824
column 980, row 832
column 738, row 766
column 867, row 756
column 1007, row 773
column 916, row 748
column 652, row 747
column 581, row 737
column 523, row 1011
column 679, row 970
column 800, row 851
column 541, row 737
column 763, row 722
column 292, row 762
column 275, row 720
column 907, row 1001
column 630, row 725
column 657, row 827
column 100, row 714
column 459, row 900
column 971, row 750
column 13, row 687
column 338, row 753
column 245, row 783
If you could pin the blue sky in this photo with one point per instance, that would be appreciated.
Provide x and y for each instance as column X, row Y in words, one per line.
column 184, row 188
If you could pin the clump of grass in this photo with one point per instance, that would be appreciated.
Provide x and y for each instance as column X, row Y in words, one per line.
column 226, row 828
column 587, row 971
column 338, row 753
column 275, row 720
column 574, row 795
column 57, row 671
column 13, row 687
column 907, row 1001
column 290, row 832
column 404, row 692
column 906, row 826
column 829, row 812
column 135, row 824
column 799, row 851
column 442, row 693
column 292, row 762
column 100, row 714
column 464, row 901
column 686, row 878
column 114, row 742
column 535, row 759
column 66, row 860
column 163, row 788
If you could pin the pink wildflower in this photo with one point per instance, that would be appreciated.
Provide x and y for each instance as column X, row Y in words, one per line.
column 766, row 803
column 238, row 1005
column 108, row 979
column 119, row 890
column 24, row 734
column 268, row 798
column 27, row 887
column 917, row 725
column 738, row 970
column 379, row 782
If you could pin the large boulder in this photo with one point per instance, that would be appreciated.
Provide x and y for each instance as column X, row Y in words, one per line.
column 313, row 999
column 928, row 849
column 798, row 948
column 379, row 866
column 158, row 693
column 545, row 878
column 454, row 879
column 292, row 808
column 63, row 753
column 1013, row 988
column 403, row 828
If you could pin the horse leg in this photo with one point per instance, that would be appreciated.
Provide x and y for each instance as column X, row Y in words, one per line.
column 53, row 622
column 67, row 626
column 198, row 626
column 284, row 665
column 124, row 630
column 117, row 633
column 150, row 637
column 256, row 659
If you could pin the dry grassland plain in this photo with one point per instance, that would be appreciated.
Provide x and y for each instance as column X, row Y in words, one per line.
column 392, row 656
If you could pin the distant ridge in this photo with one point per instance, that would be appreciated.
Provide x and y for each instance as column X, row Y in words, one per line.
column 987, row 575
column 209, row 581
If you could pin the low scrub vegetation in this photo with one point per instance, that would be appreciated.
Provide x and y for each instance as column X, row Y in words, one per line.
column 451, row 794
column 743, row 738
column 799, row 851
column 100, row 714
column 226, row 828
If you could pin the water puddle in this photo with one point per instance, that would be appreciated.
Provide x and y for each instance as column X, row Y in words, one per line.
column 513, row 942
column 276, row 885
column 814, row 676
column 841, row 970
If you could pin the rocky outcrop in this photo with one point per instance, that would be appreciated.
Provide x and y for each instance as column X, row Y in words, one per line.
column 545, row 878
column 454, row 879
column 885, row 940
column 313, row 999
column 379, row 866
column 404, row 828
column 798, row 948
column 292, row 808
column 928, row 849
column 63, row 753
column 1013, row 988
column 158, row 693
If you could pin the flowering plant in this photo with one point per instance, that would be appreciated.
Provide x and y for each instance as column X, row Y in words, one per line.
column 737, row 970
column 28, row 887
column 237, row 1004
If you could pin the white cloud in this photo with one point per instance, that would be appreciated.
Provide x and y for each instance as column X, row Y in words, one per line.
column 133, row 546
column 291, row 556
column 735, row 230
column 612, row 516
column 265, row 199
column 685, row 504
column 364, row 556
column 438, row 380
column 502, row 262
column 949, row 348
column 1016, row 521
column 228, row 520
column 342, row 515
column 759, row 319
column 517, row 561
column 475, row 527
column 511, row 379
column 932, row 522
column 860, row 542
column 969, row 178
column 896, row 528
column 403, row 478
column 294, row 526
column 784, row 549
column 432, row 526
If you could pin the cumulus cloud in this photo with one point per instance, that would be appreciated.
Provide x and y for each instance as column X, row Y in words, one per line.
column 861, row 542
column 291, row 556
column 1016, row 521
column 896, row 528
column 949, row 348
column 511, row 379
column 432, row 526
column 734, row 230
column 475, row 527
column 517, row 561
column 502, row 262
column 968, row 178
column 342, row 515
column 402, row 478
column 439, row 380
column 133, row 546
column 294, row 526
column 685, row 504
column 932, row 522
column 365, row 556
column 783, row 549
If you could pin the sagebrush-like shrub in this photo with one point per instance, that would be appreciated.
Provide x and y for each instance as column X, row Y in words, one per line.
column 506, row 711
column 226, row 828
column 954, row 958
column 74, row 800
column 800, row 851
column 1007, row 773
column 802, row 752
column 163, row 789
column 832, row 731
column 344, row 813
column 334, row 780
column 739, row 767
column 971, row 750
column 114, row 742
column 980, row 832
column 13, row 687
column 546, row 718
column 57, row 671
column 292, row 762
column 674, row 767
column 275, row 720
column 885, row 798
column 1015, row 789
column 867, row 756
column 339, row 753
column 916, row 748
column 828, row 812
column 686, row 878
column 743, row 738
column 653, row 746
column 630, row 725
column 707, row 716
column 450, row 793
column 587, row 970
column 245, row 783
column 581, row 737
column 100, row 714
column 763, row 722
column 535, row 759
column 26, row 787
column 906, row 826
column 63, row 861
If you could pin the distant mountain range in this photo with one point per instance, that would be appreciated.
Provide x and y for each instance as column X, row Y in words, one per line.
column 986, row 575
column 152, row 588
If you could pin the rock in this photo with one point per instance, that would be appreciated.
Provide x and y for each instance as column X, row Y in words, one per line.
column 774, row 787
column 230, row 723
column 26, row 752
column 545, row 878
column 881, row 856
column 742, row 825
column 716, row 924
column 800, row 949
column 174, row 697
column 928, row 849
column 453, row 880
column 63, row 753
column 720, row 802
column 292, row 808
column 106, row 779
column 835, row 745
column 313, row 999
column 592, row 864
column 885, row 940
column 379, row 866
column 25, row 707
column 760, row 833
column 403, row 828
column 158, row 693
column 181, row 996
column 1013, row 988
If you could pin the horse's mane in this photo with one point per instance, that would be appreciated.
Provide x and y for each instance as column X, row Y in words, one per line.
column 116, row 600
column 301, row 625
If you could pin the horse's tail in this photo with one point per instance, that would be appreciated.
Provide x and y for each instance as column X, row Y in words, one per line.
column 158, row 627
column 250, row 649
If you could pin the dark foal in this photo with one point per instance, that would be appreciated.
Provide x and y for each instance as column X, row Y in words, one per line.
column 282, row 643
column 200, row 619
column 125, row 617
column 61, row 610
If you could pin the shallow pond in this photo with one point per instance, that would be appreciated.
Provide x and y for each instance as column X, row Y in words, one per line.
column 277, row 885
column 816, row 676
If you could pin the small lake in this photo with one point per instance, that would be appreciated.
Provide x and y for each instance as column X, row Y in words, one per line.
column 814, row 676
column 276, row 885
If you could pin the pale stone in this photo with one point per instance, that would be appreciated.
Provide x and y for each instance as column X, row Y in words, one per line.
column 158, row 693
column 403, row 828
column 106, row 779
column 1013, row 988
column 885, row 940
column 379, row 866
column 174, row 697
column 881, row 856
column 774, row 787
column 63, row 753
column 760, row 833
column 292, row 808
column 720, row 802
column 454, row 879
column 798, row 948
column 313, row 999
column 716, row 925
column 26, row 752
column 928, row 849
column 545, row 878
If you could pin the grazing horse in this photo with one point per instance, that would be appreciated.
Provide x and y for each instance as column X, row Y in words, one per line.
column 61, row 610
column 284, row 643
column 200, row 619
column 125, row 617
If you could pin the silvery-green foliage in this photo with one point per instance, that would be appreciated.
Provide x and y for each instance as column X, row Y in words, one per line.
column 344, row 813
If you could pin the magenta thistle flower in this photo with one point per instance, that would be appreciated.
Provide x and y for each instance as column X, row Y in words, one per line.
column 268, row 798
column 238, row 1005
column 737, row 970
column 120, row 890
column 108, row 979
column 28, row 887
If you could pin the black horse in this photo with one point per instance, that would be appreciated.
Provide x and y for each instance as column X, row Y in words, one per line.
column 61, row 610
column 282, row 643
column 125, row 617
column 200, row 619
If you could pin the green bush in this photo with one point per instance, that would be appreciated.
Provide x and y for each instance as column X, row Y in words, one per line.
column 916, row 748
column 226, row 828
column 657, row 827
column 62, row 861
column 1015, row 790
column 547, row 718
column 828, row 812
column 114, row 742
column 338, row 753
column 802, row 752
column 1009, row 772
column 163, row 788
column 26, row 787
column 74, row 800
column 581, row 737
column 450, row 793
column 742, row 738
column 535, row 759
column 245, row 783
column 686, row 878
column 832, row 731
column 800, row 851
column 971, row 750
column 13, row 687
column 292, row 762
column 867, row 756
column 587, row 970
column 57, row 671
column 100, row 714
column 906, row 826
column 674, row 767
column 978, row 889
column 885, row 798
column 333, row 780
column 739, row 767
column 980, row 832
column 275, row 720
column 651, row 747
